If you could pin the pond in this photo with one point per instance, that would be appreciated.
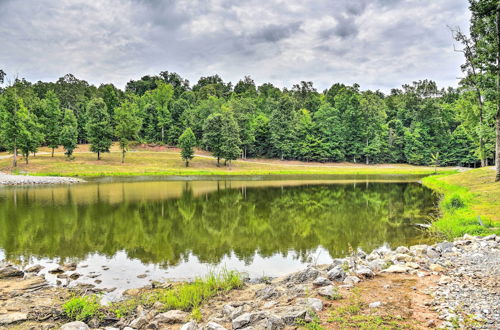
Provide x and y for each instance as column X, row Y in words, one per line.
column 116, row 229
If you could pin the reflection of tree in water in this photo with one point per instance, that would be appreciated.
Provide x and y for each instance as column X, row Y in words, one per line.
column 267, row 220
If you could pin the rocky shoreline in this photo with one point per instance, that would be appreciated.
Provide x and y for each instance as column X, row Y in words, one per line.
column 14, row 180
column 449, row 284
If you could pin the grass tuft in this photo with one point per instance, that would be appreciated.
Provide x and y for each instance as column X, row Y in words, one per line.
column 82, row 308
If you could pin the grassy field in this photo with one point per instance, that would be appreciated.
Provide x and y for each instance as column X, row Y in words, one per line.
column 467, row 196
column 168, row 162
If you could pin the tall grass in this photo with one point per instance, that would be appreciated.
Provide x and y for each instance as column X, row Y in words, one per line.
column 457, row 216
column 186, row 296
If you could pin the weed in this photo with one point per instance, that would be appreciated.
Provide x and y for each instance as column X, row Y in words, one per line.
column 82, row 308
column 314, row 324
column 196, row 314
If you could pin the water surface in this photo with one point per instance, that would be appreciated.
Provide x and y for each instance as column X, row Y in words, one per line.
column 182, row 229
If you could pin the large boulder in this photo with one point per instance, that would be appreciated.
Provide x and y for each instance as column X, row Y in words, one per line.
column 174, row 316
column 14, row 317
column 336, row 274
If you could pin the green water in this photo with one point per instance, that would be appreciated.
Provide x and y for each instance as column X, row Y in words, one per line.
column 170, row 223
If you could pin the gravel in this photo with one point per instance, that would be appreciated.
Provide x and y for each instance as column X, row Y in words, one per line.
column 12, row 180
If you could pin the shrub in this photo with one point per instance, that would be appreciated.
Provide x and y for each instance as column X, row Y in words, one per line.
column 82, row 308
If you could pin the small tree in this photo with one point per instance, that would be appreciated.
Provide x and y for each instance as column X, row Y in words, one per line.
column 128, row 125
column 230, row 149
column 69, row 132
column 98, row 128
column 212, row 137
column 32, row 137
column 13, row 118
column 52, row 120
column 187, row 141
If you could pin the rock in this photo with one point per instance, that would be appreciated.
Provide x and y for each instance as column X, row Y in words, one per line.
column 248, row 319
column 291, row 315
column 375, row 304
column 364, row 272
column 327, row 291
column 413, row 265
column 267, row 293
column 77, row 325
column 403, row 257
column 431, row 253
column 431, row 324
column 444, row 247
column 10, row 271
column 444, row 280
column 436, row 268
column 233, row 312
column 173, row 316
column 402, row 250
column 69, row 267
column 308, row 274
column 132, row 292
column 191, row 325
column 142, row 276
column 75, row 276
column 418, row 250
column 360, row 253
column 397, row 269
column 214, row 326
column 57, row 270
column 377, row 264
column 34, row 269
column 321, row 281
column 269, row 304
column 312, row 303
column 139, row 322
column 468, row 237
column 10, row 318
column 351, row 280
column 336, row 274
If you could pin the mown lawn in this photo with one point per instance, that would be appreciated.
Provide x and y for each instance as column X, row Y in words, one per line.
column 170, row 163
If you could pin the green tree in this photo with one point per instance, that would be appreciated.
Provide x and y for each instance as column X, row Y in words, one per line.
column 230, row 146
column 187, row 142
column 281, row 125
column 13, row 123
column 32, row 137
column 99, row 129
column 212, row 137
column 52, row 120
column 69, row 132
column 127, row 124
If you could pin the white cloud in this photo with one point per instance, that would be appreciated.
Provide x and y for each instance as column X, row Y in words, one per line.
column 379, row 44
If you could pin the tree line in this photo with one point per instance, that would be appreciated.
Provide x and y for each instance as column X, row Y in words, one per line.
column 418, row 123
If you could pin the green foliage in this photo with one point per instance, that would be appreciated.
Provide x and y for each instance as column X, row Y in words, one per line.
column 99, row 130
column 128, row 124
column 82, row 308
column 69, row 132
column 51, row 119
column 187, row 141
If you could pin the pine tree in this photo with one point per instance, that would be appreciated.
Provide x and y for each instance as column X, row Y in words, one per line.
column 69, row 132
column 187, row 141
column 99, row 130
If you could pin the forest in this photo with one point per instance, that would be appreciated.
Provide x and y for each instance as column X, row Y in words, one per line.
column 419, row 123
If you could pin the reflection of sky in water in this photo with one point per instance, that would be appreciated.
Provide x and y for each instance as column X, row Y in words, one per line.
column 122, row 272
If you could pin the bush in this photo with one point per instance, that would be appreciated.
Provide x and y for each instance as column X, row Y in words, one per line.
column 82, row 308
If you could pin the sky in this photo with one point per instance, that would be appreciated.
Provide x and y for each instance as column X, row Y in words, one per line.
column 379, row 44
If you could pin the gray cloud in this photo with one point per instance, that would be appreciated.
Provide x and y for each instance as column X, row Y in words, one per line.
column 378, row 44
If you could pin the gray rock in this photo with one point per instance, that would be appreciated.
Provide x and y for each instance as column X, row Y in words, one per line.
column 291, row 315
column 444, row 247
column 10, row 271
column 364, row 272
column 174, row 316
column 327, row 291
column 34, row 269
column 139, row 322
column 13, row 317
column 214, row 326
column 336, row 274
column 402, row 250
column 312, row 303
column 267, row 293
column 321, row 281
column 397, row 269
column 351, row 280
column 77, row 325
column 191, row 325
column 432, row 253
column 248, row 319
column 377, row 264
column 308, row 274
column 375, row 304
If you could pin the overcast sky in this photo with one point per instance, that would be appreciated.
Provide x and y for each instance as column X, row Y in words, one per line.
column 379, row 44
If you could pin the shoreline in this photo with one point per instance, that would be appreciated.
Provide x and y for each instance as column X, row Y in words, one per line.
column 16, row 180
column 448, row 284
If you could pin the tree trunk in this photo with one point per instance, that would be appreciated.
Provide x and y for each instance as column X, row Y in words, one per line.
column 187, row 163
column 162, row 134
column 14, row 158
column 26, row 158
column 123, row 156
column 98, row 155
column 52, row 152
column 218, row 162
